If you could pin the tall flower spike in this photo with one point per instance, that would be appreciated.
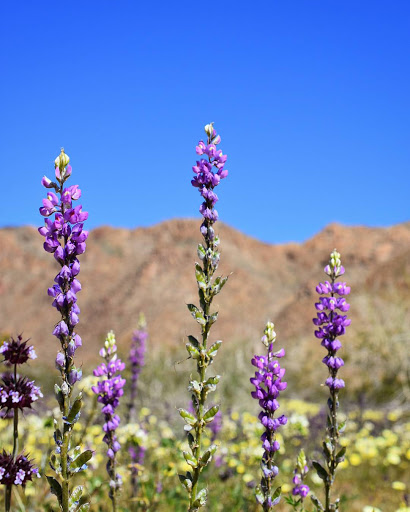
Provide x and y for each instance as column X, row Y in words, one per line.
column 208, row 173
column 136, row 359
column 109, row 390
column 300, row 489
column 65, row 238
column 331, row 325
column 268, row 385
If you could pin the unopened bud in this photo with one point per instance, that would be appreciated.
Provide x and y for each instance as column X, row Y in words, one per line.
column 209, row 129
column 62, row 160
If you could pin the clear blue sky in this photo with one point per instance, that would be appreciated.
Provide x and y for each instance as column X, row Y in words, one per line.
column 311, row 98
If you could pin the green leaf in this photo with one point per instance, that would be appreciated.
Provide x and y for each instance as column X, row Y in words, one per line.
column 341, row 427
column 213, row 349
column 219, row 283
column 210, row 413
column 188, row 417
column 340, row 456
column 199, row 317
column 74, row 413
column 190, row 459
column 59, row 395
column 193, row 341
column 320, row 470
column 200, row 498
column 84, row 508
column 213, row 318
column 276, row 496
column 206, row 457
column 200, row 277
column 201, row 252
column 316, row 502
column 192, row 351
column 55, row 488
column 186, row 482
column 260, row 497
column 80, row 463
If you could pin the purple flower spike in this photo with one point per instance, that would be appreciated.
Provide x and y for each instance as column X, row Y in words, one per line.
column 331, row 324
column 109, row 391
column 268, row 384
column 65, row 239
column 136, row 359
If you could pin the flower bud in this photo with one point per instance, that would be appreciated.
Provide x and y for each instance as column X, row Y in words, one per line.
column 62, row 160
column 209, row 129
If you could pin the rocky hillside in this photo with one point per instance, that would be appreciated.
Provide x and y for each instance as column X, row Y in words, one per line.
column 152, row 270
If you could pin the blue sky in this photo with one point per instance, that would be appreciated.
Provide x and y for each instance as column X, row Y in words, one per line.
column 311, row 100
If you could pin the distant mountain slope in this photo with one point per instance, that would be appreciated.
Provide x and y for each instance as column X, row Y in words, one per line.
column 152, row 270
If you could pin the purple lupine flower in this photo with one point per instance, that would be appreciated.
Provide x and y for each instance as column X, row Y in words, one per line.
column 109, row 391
column 65, row 238
column 208, row 173
column 268, row 382
column 17, row 351
column 299, row 474
column 331, row 325
column 136, row 359
column 16, row 471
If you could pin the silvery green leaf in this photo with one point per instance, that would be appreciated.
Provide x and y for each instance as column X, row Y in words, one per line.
column 188, row 417
column 200, row 498
column 320, row 470
column 210, row 413
column 317, row 503
column 201, row 252
column 200, row 277
column 55, row 488
column 276, row 496
column 195, row 386
column 190, row 459
column 193, row 341
column 213, row 349
column 342, row 426
column 206, row 457
column 199, row 317
column 80, row 462
column 219, row 283
column 60, row 397
column 192, row 351
column 341, row 455
column 74, row 413
column 213, row 318
column 260, row 498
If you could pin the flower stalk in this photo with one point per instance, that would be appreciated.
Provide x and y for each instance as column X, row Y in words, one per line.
column 331, row 325
column 268, row 385
column 209, row 171
column 16, row 393
column 109, row 390
column 65, row 239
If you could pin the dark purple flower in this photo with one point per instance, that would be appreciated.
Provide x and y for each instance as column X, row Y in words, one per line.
column 17, row 393
column 268, row 385
column 16, row 472
column 17, row 351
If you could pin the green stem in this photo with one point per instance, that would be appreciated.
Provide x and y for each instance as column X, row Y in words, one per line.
column 64, row 457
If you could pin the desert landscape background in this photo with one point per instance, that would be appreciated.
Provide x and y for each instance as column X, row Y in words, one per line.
column 151, row 269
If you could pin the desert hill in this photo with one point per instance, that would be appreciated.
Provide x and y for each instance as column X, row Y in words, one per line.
column 151, row 269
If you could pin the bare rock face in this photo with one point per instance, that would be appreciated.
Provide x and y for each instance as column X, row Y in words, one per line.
column 151, row 269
